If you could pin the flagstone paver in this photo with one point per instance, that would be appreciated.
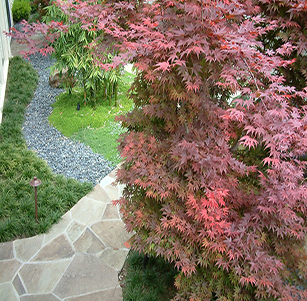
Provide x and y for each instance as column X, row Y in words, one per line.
column 18, row 286
column 8, row 269
column 58, row 248
column 44, row 297
column 111, row 232
column 74, row 231
column 114, row 257
column 59, row 228
column 88, row 243
column 111, row 212
column 77, row 260
column 99, row 194
column 105, row 295
column 95, row 275
column 42, row 278
column 88, row 211
column 7, row 292
column 6, row 250
column 28, row 247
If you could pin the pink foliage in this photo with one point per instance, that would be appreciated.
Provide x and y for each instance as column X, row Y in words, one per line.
column 190, row 196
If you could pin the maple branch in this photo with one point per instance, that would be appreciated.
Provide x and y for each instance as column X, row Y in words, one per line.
column 234, row 148
column 202, row 14
column 251, row 73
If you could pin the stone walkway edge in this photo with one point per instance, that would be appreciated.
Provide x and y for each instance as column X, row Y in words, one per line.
column 77, row 260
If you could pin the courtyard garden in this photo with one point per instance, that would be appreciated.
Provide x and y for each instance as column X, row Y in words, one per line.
column 215, row 185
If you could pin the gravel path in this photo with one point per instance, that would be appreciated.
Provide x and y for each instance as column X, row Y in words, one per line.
column 64, row 156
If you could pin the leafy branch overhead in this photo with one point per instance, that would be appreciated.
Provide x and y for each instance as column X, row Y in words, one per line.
column 214, row 156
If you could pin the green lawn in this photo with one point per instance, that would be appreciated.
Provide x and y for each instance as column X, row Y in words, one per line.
column 18, row 166
column 95, row 127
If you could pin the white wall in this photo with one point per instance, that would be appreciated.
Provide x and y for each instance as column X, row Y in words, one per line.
column 5, row 49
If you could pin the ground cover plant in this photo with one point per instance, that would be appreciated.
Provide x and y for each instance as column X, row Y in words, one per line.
column 95, row 127
column 152, row 282
column 213, row 184
column 18, row 166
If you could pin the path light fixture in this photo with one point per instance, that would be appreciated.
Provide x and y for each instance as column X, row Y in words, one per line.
column 35, row 183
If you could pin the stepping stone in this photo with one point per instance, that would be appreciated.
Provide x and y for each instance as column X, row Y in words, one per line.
column 111, row 212
column 19, row 286
column 107, row 181
column 58, row 228
column 6, row 250
column 106, row 295
column 10, row 267
column 87, row 211
column 28, row 247
column 7, row 292
column 88, row 243
column 41, row 278
column 114, row 258
column 74, row 231
column 99, row 194
column 112, row 174
column 121, row 188
column 112, row 191
column 48, row 297
column 112, row 233
column 86, row 274
column 59, row 248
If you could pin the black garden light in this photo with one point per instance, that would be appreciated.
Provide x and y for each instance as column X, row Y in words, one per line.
column 35, row 183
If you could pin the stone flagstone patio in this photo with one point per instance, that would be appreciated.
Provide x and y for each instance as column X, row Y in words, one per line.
column 78, row 259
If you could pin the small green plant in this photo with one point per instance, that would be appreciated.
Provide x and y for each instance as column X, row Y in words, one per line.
column 151, row 283
column 40, row 5
column 72, row 52
column 21, row 10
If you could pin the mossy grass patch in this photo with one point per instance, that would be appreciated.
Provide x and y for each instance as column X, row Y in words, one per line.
column 94, row 126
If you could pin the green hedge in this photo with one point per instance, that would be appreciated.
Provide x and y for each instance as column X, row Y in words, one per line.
column 21, row 10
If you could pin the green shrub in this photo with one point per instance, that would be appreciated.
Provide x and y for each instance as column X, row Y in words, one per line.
column 21, row 10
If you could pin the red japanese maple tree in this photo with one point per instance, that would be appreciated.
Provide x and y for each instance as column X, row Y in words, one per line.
column 214, row 155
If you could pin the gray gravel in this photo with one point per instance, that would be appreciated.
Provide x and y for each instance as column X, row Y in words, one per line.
column 67, row 157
